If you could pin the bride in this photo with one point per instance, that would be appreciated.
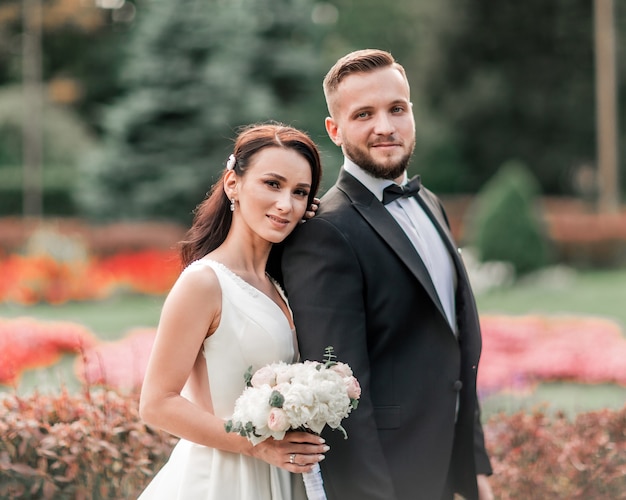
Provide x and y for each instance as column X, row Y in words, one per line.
column 225, row 314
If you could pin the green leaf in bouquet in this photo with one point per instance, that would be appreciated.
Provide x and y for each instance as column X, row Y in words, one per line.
column 248, row 429
column 329, row 356
column 276, row 399
column 343, row 431
column 228, row 426
column 248, row 376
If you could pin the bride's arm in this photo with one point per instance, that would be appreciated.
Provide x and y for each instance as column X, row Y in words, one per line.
column 191, row 312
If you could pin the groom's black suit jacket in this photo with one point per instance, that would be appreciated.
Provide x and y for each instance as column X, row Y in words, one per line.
column 354, row 281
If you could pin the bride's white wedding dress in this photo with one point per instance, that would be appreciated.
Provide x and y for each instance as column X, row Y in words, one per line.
column 253, row 331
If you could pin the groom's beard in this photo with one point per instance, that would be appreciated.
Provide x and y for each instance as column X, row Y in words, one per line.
column 364, row 159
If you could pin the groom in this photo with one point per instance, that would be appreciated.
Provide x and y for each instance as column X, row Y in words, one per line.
column 376, row 274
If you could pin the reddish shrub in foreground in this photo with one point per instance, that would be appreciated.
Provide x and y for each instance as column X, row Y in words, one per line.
column 540, row 456
column 85, row 446
column 93, row 445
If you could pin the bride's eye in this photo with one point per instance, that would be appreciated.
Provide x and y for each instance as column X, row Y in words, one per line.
column 301, row 192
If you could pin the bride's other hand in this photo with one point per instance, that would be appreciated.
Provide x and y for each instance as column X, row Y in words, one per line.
column 298, row 452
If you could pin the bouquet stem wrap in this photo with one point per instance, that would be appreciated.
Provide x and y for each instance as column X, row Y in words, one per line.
column 313, row 484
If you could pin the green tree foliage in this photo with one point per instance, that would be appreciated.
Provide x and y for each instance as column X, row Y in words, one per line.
column 196, row 70
column 80, row 42
column 506, row 224
column 65, row 139
column 518, row 81
column 411, row 30
column 489, row 80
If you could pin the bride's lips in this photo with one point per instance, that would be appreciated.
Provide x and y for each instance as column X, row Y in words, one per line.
column 278, row 220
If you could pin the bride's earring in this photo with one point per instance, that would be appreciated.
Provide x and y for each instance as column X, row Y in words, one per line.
column 232, row 204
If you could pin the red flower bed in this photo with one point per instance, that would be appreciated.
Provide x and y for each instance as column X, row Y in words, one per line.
column 27, row 343
column 521, row 351
column 148, row 271
column 28, row 280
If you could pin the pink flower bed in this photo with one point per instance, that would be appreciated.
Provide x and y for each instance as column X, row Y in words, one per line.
column 520, row 351
column 121, row 364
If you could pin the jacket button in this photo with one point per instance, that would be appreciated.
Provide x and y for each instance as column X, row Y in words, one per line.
column 457, row 386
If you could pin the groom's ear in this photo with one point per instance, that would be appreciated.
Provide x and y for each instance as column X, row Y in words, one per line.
column 333, row 131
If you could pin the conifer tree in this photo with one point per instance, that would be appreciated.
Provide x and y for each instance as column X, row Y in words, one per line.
column 196, row 70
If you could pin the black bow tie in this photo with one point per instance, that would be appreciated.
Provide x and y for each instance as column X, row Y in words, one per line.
column 394, row 191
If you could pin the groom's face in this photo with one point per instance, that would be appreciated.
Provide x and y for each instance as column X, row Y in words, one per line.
column 372, row 121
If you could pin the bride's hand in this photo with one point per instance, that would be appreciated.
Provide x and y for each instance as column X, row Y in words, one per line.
column 297, row 452
column 310, row 213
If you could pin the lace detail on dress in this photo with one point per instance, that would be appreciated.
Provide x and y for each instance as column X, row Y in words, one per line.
column 278, row 287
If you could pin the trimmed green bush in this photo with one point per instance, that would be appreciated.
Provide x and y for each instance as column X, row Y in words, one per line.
column 506, row 223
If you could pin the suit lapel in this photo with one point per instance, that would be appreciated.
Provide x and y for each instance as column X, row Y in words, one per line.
column 466, row 311
column 377, row 216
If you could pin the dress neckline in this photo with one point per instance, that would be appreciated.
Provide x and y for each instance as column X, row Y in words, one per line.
column 252, row 290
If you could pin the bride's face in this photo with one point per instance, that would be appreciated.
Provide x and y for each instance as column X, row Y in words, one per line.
column 272, row 196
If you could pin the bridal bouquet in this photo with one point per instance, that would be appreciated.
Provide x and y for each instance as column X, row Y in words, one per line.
column 299, row 396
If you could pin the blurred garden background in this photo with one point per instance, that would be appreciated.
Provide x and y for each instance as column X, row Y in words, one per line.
column 116, row 116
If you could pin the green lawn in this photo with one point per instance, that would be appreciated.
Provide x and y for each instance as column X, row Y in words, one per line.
column 597, row 293
column 108, row 319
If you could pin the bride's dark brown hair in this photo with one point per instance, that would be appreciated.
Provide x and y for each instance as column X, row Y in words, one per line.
column 213, row 217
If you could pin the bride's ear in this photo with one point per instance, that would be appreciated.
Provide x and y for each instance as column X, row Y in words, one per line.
column 231, row 181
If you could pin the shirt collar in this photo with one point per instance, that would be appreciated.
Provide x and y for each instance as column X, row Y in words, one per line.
column 375, row 184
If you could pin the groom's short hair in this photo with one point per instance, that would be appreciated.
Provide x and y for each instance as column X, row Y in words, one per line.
column 359, row 61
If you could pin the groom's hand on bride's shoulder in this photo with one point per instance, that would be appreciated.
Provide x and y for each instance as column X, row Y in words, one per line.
column 310, row 213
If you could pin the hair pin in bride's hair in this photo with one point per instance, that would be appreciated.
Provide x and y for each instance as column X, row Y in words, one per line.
column 230, row 164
